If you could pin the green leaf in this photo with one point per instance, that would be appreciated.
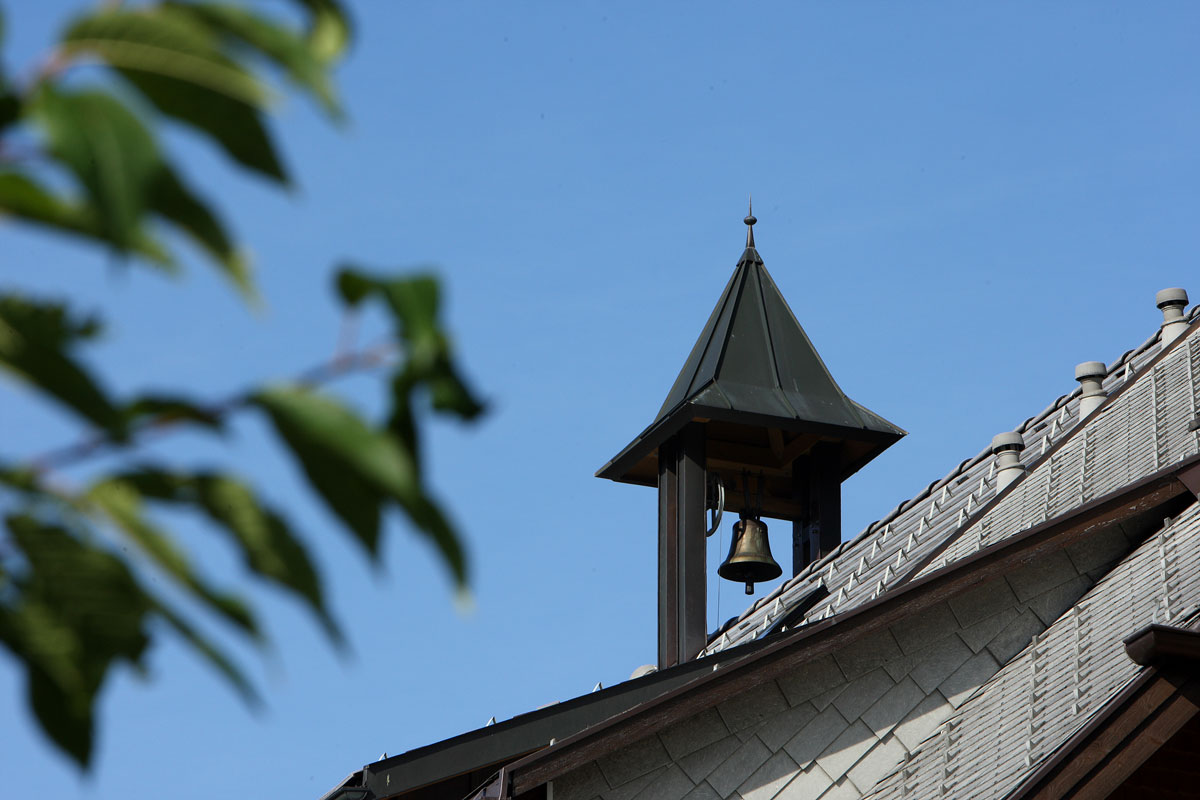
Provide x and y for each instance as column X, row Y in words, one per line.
column 329, row 31
column 288, row 49
column 22, row 198
column 265, row 539
column 344, row 460
column 211, row 653
column 413, row 303
column 237, row 127
column 122, row 503
column 109, row 151
column 77, row 611
column 178, row 66
column 35, row 344
column 159, row 41
column 171, row 199
column 353, row 466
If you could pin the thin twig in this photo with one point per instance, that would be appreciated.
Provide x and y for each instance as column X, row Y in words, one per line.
column 361, row 361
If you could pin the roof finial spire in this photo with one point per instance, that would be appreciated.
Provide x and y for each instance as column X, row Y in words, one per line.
column 750, row 220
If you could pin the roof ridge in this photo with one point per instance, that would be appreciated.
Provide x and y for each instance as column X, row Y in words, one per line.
column 868, row 534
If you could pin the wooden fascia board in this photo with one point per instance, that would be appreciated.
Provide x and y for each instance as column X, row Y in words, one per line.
column 1119, row 739
column 830, row 635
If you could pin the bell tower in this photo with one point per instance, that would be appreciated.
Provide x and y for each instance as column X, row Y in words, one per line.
column 753, row 424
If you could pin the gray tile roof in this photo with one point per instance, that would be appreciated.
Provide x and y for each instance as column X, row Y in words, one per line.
column 1110, row 451
column 1050, row 690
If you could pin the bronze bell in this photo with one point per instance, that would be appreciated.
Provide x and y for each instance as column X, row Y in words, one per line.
column 749, row 558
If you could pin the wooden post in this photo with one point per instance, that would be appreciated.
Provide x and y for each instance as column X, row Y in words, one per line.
column 682, row 584
column 818, row 490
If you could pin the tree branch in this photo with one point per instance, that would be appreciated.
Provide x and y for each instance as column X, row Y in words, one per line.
column 339, row 366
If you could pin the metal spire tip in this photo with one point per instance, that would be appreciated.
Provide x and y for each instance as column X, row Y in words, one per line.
column 750, row 220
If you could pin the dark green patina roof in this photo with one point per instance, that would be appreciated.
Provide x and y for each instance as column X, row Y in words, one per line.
column 754, row 365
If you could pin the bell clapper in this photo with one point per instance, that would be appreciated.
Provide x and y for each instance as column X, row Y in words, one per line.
column 749, row 588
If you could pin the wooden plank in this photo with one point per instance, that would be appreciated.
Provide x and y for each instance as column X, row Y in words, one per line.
column 1092, row 745
column 1138, row 747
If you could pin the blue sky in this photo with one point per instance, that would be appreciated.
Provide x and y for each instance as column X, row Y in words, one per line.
column 960, row 202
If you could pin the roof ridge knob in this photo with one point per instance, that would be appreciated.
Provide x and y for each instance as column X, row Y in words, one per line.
column 1090, row 375
column 1172, row 302
column 1007, row 448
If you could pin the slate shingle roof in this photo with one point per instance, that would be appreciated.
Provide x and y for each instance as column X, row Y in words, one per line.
column 1112, row 451
column 1051, row 689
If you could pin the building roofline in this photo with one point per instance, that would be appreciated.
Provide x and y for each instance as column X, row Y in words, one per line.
column 1148, row 710
column 828, row 635
column 1062, row 441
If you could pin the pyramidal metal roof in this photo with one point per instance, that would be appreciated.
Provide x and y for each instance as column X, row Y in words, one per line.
column 753, row 364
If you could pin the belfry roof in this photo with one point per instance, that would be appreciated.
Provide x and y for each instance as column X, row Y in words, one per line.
column 753, row 364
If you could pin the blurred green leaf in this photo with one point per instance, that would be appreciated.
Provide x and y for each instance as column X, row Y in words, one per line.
column 288, row 49
column 329, row 31
column 78, row 611
column 413, row 303
column 109, row 151
column 345, row 461
column 356, row 468
column 122, row 503
column 35, row 344
column 178, row 205
column 179, row 67
column 265, row 539
column 22, row 198
column 211, row 653
column 159, row 41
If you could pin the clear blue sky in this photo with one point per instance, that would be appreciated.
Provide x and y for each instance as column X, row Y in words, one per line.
column 960, row 202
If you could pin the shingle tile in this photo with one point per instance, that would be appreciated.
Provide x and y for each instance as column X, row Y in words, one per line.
column 917, row 631
column 810, row 680
column 867, row 653
column 633, row 761
column 939, row 662
column 769, row 779
column 581, row 784
column 806, row 785
column 694, row 733
column 740, row 765
column 880, row 762
column 1043, row 573
column 776, row 731
column 862, row 692
column 814, row 737
column 923, row 720
column 893, row 706
column 975, row 672
column 986, row 600
column 752, row 706
column 671, row 784
column 847, row 749
column 701, row 763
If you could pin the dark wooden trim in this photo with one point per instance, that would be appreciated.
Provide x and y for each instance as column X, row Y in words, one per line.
column 1116, row 768
column 830, row 635
column 1192, row 481
column 1159, row 645
column 1117, row 740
